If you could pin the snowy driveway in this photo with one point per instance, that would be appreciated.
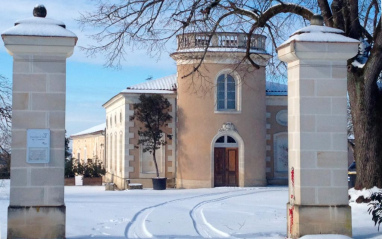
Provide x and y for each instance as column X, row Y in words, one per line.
column 209, row 213
column 92, row 212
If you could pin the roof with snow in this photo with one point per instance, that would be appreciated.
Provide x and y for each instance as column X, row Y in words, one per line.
column 274, row 88
column 92, row 130
column 168, row 84
column 162, row 85
column 315, row 28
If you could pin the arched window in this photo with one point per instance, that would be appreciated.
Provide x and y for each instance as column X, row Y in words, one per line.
column 225, row 141
column 231, row 140
column 220, row 140
column 115, row 156
column 120, row 151
column 111, row 153
column 226, row 92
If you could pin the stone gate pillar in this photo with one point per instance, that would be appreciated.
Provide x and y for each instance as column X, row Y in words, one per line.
column 39, row 47
column 317, row 129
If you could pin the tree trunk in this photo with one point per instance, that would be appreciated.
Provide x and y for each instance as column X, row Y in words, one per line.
column 155, row 162
column 366, row 109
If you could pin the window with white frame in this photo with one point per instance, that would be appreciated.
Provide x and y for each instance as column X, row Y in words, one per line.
column 226, row 93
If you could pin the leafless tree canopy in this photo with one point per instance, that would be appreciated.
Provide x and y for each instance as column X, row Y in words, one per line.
column 5, row 115
column 136, row 24
column 122, row 25
column 126, row 25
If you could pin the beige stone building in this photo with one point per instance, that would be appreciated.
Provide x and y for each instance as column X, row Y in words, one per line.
column 123, row 159
column 229, row 126
column 89, row 144
column 226, row 131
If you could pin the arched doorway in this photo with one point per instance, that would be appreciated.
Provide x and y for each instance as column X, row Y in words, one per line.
column 226, row 162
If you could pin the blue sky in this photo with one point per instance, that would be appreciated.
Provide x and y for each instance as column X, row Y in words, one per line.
column 89, row 84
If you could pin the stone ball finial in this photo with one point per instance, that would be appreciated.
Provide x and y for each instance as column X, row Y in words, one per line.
column 39, row 11
column 317, row 20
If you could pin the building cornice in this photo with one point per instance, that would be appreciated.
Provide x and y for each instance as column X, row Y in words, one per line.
column 224, row 57
column 113, row 100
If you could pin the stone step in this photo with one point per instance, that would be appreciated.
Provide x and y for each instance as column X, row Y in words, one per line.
column 109, row 186
column 135, row 186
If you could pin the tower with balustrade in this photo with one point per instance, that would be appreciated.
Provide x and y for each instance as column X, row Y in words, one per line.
column 221, row 110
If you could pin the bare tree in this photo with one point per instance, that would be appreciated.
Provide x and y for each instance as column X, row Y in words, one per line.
column 5, row 114
column 5, row 120
column 153, row 112
column 150, row 24
column 349, row 121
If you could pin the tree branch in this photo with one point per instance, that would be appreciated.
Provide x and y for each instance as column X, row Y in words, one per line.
column 372, row 4
column 337, row 13
column 284, row 8
column 373, row 66
column 355, row 30
column 326, row 12
column 208, row 43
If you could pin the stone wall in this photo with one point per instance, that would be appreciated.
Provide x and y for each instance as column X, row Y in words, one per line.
column 89, row 146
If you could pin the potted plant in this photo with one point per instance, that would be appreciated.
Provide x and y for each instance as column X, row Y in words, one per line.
column 93, row 173
column 85, row 173
column 78, row 170
column 69, row 173
column 153, row 112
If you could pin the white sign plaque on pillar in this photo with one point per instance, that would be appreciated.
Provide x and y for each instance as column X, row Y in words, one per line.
column 38, row 145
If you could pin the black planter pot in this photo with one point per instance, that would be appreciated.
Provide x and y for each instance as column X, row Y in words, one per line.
column 159, row 183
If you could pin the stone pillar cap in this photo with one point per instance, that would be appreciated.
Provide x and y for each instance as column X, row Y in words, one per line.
column 40, row 27
column 316, row 33
column 319, row 43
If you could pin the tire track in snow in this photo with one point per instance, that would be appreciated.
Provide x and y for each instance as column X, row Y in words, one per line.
column 140, row 230
column 136, row 228
column 203, row 227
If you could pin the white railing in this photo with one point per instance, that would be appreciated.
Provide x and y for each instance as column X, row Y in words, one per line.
column 220, row 40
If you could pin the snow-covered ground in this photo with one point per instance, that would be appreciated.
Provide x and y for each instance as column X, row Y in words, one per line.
column 260, row 212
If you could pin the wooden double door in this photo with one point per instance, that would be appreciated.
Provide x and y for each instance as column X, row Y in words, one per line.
column 226, row 167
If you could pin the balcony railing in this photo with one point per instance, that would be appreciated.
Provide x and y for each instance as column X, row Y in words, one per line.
column 220, row 40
